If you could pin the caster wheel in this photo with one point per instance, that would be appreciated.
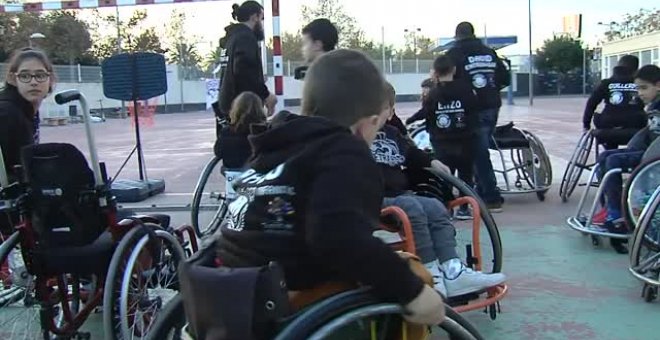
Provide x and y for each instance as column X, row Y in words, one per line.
column 649, row 293
column 492, row 311
column 595, row 241
column 540, row 196
column 564, row 199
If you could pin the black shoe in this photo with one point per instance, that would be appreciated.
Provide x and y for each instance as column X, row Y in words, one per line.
column 494, row 207
column 618, row 246
column 617, row 226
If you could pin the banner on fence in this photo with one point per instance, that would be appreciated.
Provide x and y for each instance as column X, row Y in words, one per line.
column 212, row 86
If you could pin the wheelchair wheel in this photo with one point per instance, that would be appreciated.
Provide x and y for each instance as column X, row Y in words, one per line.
column 575, row 166
column 141, row 280
column 351, row 312
column 209, row 204
column 19, row 310
column 490, row 241
column 645, row 247
column 537, row 169
column 638, row 190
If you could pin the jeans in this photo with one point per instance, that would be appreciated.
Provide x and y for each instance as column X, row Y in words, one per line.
column 613, row 159
column 486, row 182
column 435, row 236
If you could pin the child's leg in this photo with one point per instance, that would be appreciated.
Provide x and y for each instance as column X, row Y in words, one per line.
column 465, row 164
column 419, row 223
column 442, row 232
column 614, row 187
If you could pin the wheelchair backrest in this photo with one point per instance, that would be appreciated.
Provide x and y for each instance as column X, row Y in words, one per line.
column 653, row 151
column 63, row 204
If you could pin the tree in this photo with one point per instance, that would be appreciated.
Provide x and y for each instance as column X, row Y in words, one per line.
column 560, row 55
column 67, row 37
column 133, row 35
column 421, row 44
column 291, row 46
column 181, row 45
column 644, row 21
column 350, row 34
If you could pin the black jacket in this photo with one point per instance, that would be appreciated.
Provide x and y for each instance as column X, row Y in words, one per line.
column 643, row 139
column 479, row 65
column 451, row 111
column 619, row 93
column 19, row 126
column 393, row 151
column 311, row 201
column 233, row 148
column 244, row 71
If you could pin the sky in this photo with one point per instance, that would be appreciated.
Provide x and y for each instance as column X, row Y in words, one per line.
column 435, row 18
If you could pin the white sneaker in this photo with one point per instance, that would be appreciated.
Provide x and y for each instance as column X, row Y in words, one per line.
column 438, row 278
column 470, row 281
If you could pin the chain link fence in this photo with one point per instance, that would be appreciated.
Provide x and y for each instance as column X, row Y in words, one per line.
column 92, row 74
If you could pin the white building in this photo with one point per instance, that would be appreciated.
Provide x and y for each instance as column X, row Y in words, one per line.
column 645, row 47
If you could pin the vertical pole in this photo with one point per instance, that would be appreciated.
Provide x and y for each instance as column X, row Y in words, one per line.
column 415, row 46
column 277, row 56
column 391, row 71
column 485, row 35
column 531, row 59
column 584, row 70
column 79, row 73
column 123, row 105
column 382, row 45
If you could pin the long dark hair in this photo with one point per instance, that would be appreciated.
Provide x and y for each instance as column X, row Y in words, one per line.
column 23, row 54
column 243, row 12
column 246, row 109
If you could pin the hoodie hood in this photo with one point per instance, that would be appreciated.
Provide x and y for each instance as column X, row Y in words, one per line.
column 281, row 141
column 622, row 72
column 9, row 96
column 230, row 30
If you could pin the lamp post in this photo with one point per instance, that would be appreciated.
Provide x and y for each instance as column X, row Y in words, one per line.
column 531, row 58
column 414, row 36
column 35, row 36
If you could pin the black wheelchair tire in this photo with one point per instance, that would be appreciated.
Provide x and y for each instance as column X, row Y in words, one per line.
column 627, row 214
column 197, row 199
column 486, row 216
column 574, row 168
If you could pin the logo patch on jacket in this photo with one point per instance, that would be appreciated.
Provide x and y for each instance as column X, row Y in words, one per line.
column 386, row 151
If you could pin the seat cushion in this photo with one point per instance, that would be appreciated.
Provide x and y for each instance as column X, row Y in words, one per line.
column 614, row 136
column 90, row 259
column 508, row 137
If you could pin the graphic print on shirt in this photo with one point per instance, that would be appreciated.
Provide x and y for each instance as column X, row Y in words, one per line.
column 621, row 93
column 481, row 69
column 450, row 116
column 251, row 185
column 386, row 151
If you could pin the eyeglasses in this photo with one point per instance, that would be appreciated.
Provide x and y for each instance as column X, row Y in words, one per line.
column 25, row 77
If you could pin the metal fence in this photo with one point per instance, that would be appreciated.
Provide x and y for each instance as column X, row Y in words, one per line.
column 92, row 74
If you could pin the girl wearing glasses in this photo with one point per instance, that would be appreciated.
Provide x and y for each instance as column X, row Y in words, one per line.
column 28, row 81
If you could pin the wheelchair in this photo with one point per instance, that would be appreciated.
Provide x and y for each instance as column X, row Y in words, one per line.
column 68, row 256
column 529, row 159
column 580, row 160
column 637, row 191
column 213, row 193
column 645, row 249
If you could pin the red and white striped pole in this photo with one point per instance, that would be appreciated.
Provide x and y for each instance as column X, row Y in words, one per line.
column 278, row 72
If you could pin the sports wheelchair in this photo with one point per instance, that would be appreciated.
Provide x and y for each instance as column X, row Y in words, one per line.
column 68, row 256
column 321, row 320
column 528, row 158
column 637, row 191
column 579, row 161
column 213, row 193
column 645, row 249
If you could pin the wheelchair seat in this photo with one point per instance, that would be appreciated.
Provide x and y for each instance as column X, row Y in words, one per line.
column 507, row 137
column 93, row 258
column 162, row 220
column 619, row 136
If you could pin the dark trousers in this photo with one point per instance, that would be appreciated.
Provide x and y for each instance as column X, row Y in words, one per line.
column 613, row 159
column 458, row 155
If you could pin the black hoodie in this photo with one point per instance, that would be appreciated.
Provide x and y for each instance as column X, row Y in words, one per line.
column 244, row 71
column 479, row 65
column 619, row 93
column 19, row 126
column 311, row 201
